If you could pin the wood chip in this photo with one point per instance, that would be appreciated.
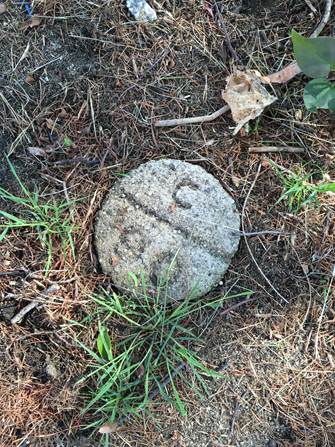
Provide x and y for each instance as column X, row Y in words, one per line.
column 3, row 8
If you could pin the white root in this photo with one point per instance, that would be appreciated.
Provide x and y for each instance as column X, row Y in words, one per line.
column 192, row 120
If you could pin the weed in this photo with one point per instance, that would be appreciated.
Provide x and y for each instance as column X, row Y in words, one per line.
column 155, row 340
column 299, row 191
column 316, row 59
column 67, row 142
column 51, row 221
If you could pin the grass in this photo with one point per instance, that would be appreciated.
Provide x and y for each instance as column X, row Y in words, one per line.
column 51, row 221
column 156, row 346
column 299, row 189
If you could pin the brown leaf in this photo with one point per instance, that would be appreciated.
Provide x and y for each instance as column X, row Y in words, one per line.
column 140, row 371
column 265, row 163
column 284, row 75
column 3, row 8
column 246, row 96
column 63, row 113
column 36, row 151
column 30, row 79
column 34, row 22
column 108, row 428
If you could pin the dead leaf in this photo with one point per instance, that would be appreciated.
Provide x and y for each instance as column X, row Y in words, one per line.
column 30, row 79
column 51, row 368
column 36, row 151
column 236, row 180
column 305, row 268
column 246, row 96
column 284, row 75
column 63, row 113
column 34, row 22
column 3, row 8
column 108, row 428
column 265, row 163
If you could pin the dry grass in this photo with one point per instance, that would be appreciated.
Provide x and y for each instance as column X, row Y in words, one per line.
column 105, row 80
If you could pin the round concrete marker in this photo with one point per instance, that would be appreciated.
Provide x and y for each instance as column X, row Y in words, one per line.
column 167, row 221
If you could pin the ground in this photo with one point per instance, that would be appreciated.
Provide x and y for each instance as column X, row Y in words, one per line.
column 90, row 74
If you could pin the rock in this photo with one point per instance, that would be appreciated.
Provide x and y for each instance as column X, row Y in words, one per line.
column 167, row 219
column 141, row 10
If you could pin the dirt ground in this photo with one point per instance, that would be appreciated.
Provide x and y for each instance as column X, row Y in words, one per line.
column 89, row 73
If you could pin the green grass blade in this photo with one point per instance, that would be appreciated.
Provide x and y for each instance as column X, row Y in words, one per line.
column 12, row 218
column 178, row 402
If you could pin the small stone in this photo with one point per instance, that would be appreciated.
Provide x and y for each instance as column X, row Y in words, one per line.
column 141, row 10
column 192, row 247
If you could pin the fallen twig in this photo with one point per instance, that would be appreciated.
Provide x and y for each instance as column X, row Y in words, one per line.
column 311, row 7
column 263, row 233
column 262, row 149
column 192, row 120
column 284, row 75
column 77, row 160
column 20, row 315
column 84, row 161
